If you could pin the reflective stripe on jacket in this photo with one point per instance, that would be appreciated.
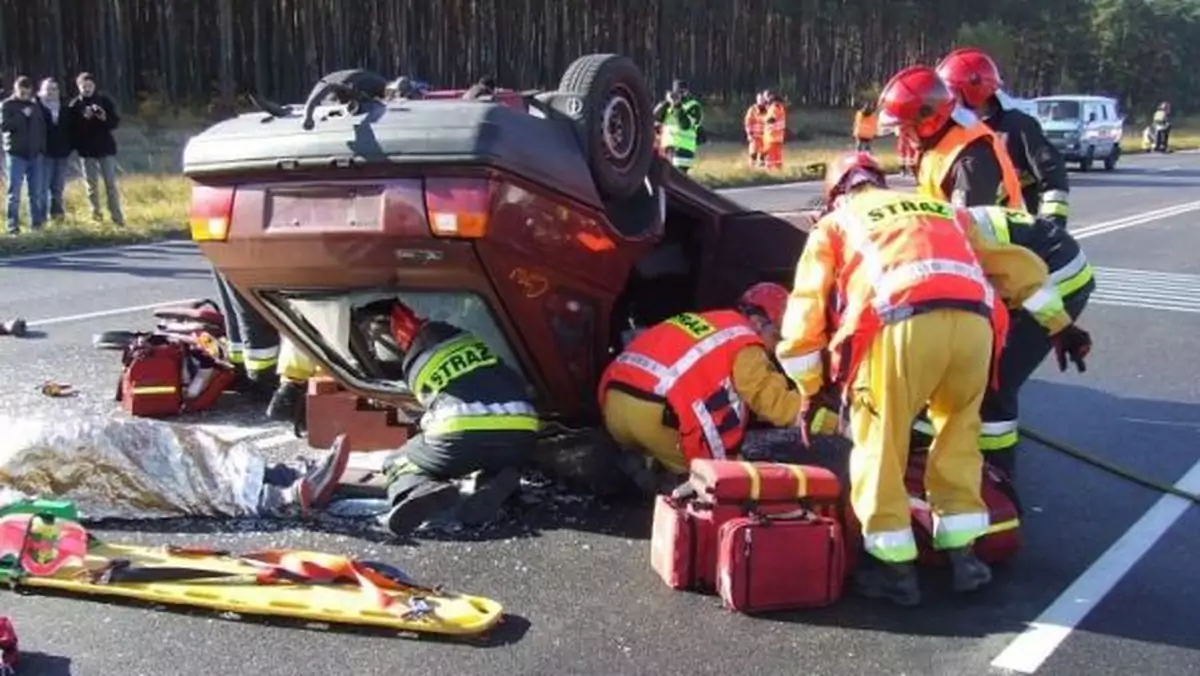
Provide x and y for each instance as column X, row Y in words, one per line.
column 1070, row 270
column 775, row 124
column 754, row 121
column 687, row 362
column 887, row 256
column 937, row 162
column 464, row 386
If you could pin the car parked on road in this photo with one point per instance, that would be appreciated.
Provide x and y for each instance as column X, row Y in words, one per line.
column 1083, row 128
column 541, row 221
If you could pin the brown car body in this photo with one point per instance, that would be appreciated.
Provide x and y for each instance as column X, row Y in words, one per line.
column 556, row 277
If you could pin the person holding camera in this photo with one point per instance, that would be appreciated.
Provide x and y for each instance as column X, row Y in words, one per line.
column 93, row 119
column 24, row 131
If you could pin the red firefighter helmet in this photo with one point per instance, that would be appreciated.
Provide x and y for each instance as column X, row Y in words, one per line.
column 850, row 170
column 917, row 101
column 404, row 324
column 971, row 74
column 770, row 299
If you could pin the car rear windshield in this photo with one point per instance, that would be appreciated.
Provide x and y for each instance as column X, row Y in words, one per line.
column 1058, row 110
column 350, row 329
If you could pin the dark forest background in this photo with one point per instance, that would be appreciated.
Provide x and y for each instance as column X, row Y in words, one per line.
column 204, row 53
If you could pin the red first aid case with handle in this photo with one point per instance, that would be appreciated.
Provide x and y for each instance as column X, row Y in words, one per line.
column 742, row 482
column 780, row 562
column 684, row 541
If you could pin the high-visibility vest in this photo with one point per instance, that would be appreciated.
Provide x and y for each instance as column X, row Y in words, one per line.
column 687, row 363
column 754, row 120
column 673, row 136
column 903, row 255
column 1160, row 116
column 937, row 162
column 866, row 126
column 1069, row 268
column 775, row 124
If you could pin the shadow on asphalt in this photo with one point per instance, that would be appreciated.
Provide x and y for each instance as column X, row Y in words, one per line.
column 44, row 665
column 137, row 263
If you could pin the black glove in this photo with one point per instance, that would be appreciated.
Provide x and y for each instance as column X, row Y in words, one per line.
column 1072, row 342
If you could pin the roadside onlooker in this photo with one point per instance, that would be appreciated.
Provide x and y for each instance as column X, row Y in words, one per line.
column 24, row 130
column 58, row 148
column 93, row 119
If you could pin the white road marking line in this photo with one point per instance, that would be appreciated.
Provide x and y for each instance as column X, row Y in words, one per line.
column 234, row 433
column 108, row 313
column 1135, row 219
column 1033, row 647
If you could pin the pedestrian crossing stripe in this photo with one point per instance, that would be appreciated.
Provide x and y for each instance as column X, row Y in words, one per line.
column 1148, row 289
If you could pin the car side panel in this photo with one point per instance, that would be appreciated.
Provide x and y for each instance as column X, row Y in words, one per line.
column 558, row 269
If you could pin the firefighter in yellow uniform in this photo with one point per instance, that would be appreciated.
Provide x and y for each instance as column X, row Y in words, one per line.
column 962, row 160
column 918, row 320
column 684, row 388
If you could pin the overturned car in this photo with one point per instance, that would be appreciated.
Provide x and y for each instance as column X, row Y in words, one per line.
column 541, row 221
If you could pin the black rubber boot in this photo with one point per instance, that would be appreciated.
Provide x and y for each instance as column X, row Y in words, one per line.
column 287, row 402
column 640, row 471
column 483, row 505
column 420, row 505
column 15, row 327
column 970, row 574
column 896, row 582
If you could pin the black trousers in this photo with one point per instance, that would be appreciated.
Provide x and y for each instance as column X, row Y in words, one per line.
column 446, row 458
column 254, row 343
column 1028, row 346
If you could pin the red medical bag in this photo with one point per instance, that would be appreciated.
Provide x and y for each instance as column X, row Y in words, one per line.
column 166, row 374
column 1003, row 539
column 685, row 534
column 780, row 562
column 151, row 384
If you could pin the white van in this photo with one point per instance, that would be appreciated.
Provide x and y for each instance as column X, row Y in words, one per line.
column 1083, row 128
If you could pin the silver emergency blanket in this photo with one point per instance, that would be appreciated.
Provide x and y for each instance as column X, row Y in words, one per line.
column 128, row 468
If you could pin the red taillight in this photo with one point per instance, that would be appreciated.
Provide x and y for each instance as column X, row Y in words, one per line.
column 210, row 213
column 458, row 207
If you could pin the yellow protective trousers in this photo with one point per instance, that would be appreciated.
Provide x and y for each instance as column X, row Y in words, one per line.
column 637, row 425
column 941, row 357
column 294, row 364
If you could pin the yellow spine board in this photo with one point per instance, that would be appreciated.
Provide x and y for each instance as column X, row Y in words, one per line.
column 449, row 614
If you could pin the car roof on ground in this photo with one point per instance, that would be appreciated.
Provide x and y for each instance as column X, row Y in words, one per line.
column 398, row 133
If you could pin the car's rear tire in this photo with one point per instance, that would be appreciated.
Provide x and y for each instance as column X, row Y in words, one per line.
column 608, row 98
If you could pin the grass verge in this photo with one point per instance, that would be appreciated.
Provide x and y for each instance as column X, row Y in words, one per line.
column 155, row 197
column 155, row 208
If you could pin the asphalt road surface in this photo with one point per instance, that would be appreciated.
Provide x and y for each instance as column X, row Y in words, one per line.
column 1105, row 585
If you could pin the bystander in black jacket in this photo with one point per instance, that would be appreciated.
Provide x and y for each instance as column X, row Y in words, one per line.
column 59, row 141
column 91, row 136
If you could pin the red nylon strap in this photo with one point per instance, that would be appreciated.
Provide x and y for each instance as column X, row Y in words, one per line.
column 319, row 568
